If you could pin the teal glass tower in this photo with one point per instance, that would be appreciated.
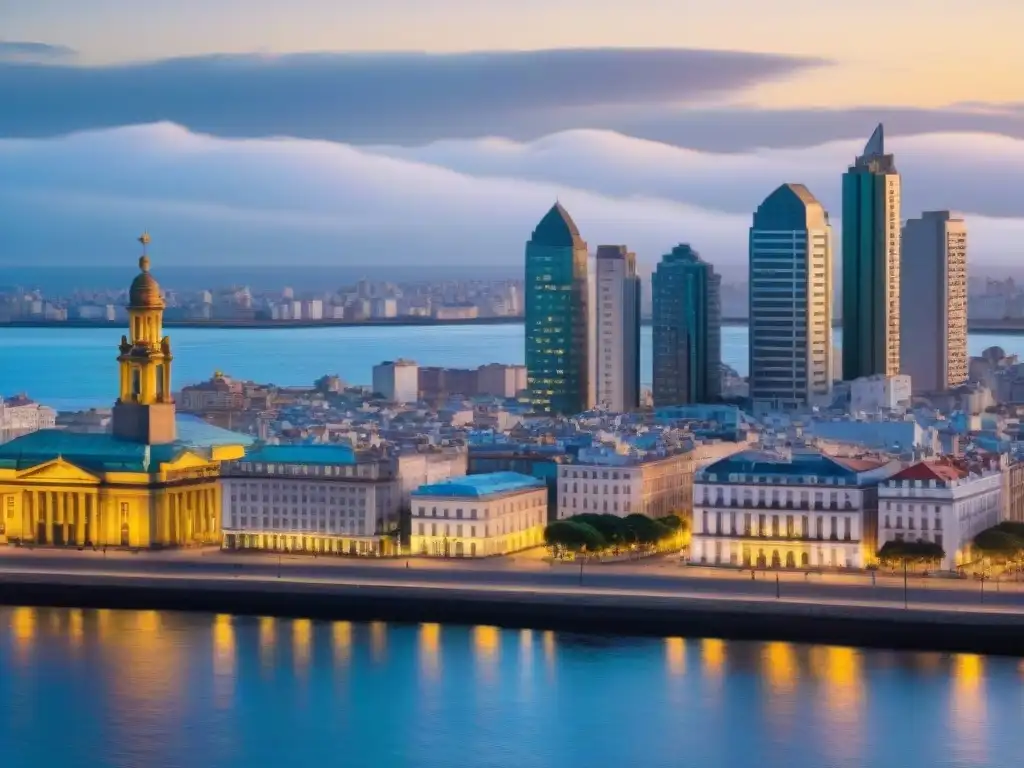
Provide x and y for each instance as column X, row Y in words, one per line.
column 687, row 329
column 557, row 317
column 871, row 263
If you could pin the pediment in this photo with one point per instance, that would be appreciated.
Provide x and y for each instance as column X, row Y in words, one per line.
column 185, row 460
column 57, row 471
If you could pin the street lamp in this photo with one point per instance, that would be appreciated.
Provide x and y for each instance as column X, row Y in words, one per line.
column 905, row 582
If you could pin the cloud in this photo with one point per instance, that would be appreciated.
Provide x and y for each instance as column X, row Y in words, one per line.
column 362, row 98
column 81, row 199
column 15, row 50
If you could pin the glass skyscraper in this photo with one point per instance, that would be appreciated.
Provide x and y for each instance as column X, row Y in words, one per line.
column 558, row 319
column 871, row 263
column 687, row 329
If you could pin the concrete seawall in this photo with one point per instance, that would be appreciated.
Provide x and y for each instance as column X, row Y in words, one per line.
column 917, row 628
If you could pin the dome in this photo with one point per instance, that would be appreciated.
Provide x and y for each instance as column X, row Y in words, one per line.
column 145, row 290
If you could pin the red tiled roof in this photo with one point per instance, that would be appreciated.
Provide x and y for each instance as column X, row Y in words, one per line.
column 931, row 470
column 859, row 465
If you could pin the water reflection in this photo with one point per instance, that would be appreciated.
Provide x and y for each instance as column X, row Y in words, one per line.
column 378, row 641
column 341, row 632
column 675, row 656
column 839, row 672
column 780, row 667
column 223, row 658
column 430, row 651
column 967, row 708
column 76, row 630
column 302, row 644
column 712, row 654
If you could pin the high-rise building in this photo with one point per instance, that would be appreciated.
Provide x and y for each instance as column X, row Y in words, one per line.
column 617, row 329
column 934, row 291
column 871, row 263
column 557, row 316
column 687, row 329
column 790, row 300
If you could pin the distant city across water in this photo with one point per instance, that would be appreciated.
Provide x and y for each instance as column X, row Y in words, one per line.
column 73, row 368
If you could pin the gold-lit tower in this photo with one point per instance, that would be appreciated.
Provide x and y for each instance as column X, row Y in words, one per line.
column 144, row 411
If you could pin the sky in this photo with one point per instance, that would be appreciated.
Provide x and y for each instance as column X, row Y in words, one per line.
column 402, row 129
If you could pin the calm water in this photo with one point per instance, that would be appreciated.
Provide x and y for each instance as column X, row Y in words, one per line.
column 83, row 689
column 75, row 368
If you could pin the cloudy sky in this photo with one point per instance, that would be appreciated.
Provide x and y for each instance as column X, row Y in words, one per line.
column 337, row 131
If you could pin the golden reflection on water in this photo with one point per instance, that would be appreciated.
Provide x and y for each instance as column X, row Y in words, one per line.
column 780, row 667
column 76, row 631
column 486, row 647
column 967, row 708
column 675, row 656
column 549, row 651
column 23, row 627
column 223, row 660
column 341, row 633
column 268, row 642
column 378, row 641
column 712, row 656
column 430, row 651
column 104, row 618
column 841, row 675
column 302, row 644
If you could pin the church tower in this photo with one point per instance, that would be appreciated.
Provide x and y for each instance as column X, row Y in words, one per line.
column 144, row 411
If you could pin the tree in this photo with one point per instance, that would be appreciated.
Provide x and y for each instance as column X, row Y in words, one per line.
column 999, row 544
column 645, row 529
column 674, row 523
column 611, row 527
column 573, row 536
column 913, row 551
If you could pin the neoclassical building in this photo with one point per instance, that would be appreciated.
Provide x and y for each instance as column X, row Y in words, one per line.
column 152, row 482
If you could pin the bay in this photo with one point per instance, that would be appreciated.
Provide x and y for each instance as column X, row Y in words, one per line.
column 71, row 368
column 85, row 689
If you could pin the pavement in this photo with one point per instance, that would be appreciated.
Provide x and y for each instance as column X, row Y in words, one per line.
column 654, row 578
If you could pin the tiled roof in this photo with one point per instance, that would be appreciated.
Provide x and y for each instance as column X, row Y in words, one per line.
column 106, row 453
column 481, row 486
column 931, row 470
column 321, row 455
column 766, row 463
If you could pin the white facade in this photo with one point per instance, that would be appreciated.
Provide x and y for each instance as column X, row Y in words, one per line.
column 934, row 298
column 871, row 394
column 491, row 524
column 616, row 325
column 304, row 508
column 497, row 380
column 20, row 416
column 949, row 511
column 397, row 381
column 790, row 301
column 623, row 485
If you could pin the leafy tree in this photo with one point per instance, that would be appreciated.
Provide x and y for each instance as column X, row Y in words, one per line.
column 611, row 527
column 998, row 543
column 645, row 529
column 673, row 522
column 915, row 551
column 573, row 535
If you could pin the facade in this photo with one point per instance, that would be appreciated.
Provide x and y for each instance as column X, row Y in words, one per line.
column 604, row 482
column 151, row 482
column 558, row 317
column 499, row 380
column 479, row 515
column 872, row 394
column 397, row 381
column 871, row 263
column 933, row 275
column 220, row 393
column 617, row 329
column 948, row 502
column 790, row 301
column 20, row 416
column 802, row 510
column 306, row 498
column 1013, row 492
column 687, row 329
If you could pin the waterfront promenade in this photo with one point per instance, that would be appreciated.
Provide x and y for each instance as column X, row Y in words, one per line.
column 653, row 597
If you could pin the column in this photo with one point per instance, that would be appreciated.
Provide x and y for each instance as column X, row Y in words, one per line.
column 65, row 514
column 48, row 501
column 80, row 519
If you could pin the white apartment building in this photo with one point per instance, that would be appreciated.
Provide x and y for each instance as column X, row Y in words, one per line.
column 777, row 510
column 874, row 394
column 306, row 498
column 617, row 329
column 603, row 481
column 479, row 515
column 20, row 416
column 933, row 317
column 397, row 381
column 946, row 501
column 790, row 301
column 498, row 380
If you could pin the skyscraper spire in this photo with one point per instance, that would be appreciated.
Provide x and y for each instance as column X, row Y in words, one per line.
column 876, row 144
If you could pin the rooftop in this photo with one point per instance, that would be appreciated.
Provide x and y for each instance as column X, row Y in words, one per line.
column 557, row 229
column 481, row 486
column 106, row 453
column 769, row 464
column 321, row 455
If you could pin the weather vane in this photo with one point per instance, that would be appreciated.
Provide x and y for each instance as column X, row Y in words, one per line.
column 144, row 239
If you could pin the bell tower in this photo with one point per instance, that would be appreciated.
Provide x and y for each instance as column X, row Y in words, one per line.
column 144, row 411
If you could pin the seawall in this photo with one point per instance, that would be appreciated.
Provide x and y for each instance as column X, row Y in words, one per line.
column 917, row 628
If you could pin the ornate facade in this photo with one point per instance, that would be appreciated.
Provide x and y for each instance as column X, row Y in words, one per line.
column 152, row 482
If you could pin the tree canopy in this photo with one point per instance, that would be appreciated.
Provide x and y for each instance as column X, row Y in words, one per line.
column 918, row 551
column 1003, row 542
column 611, row 530
column 573, row 535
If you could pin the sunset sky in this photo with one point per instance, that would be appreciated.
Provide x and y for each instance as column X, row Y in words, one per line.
column 655, row 121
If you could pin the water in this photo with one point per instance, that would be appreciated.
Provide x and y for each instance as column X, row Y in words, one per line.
column 75, row 367
column 84, row 689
